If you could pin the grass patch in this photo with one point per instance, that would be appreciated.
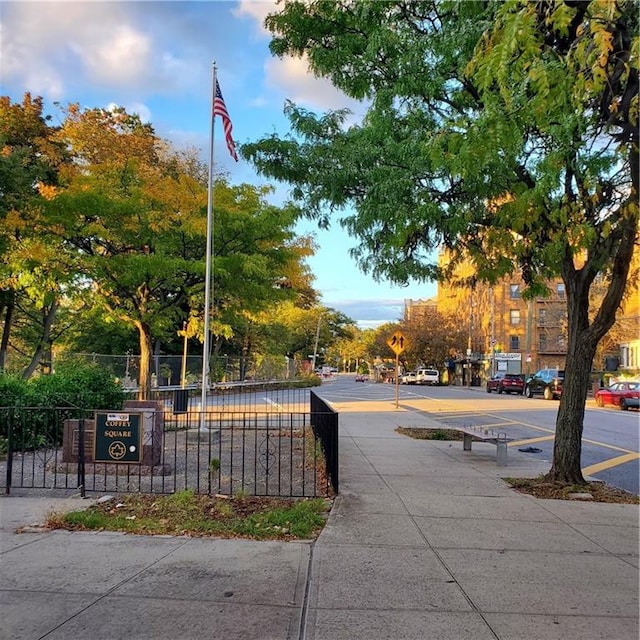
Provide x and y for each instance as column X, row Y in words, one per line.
column 187, row 514
column 423, row 433
column 540, row 487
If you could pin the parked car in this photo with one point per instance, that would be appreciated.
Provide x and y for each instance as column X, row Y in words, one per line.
column 362, row 377
column 546, row 382
column 506, row 382
column 620, row 394
column 427, row 376
column 409, row 378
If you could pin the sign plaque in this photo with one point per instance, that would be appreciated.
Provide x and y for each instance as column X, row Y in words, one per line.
column 118, row 437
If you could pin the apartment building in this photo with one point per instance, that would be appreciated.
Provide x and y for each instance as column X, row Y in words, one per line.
column 414, row 309
column 507, row 333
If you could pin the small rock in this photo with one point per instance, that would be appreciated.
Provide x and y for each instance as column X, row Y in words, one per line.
column 580, row 496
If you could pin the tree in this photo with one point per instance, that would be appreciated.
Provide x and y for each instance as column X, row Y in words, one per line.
column 258, row 264
column 292, row 330
column 31, row 275
column 432, row 337
column 351, row 350
column 505, row 133
column 133, row 219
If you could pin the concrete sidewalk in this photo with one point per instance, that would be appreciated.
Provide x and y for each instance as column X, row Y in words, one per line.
column 424, row 542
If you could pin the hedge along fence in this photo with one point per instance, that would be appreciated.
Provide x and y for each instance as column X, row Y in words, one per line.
column 76, row 385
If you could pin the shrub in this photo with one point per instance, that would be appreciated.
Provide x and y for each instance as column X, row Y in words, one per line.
column 78, row 383
column 37, row 408
column 13, row 390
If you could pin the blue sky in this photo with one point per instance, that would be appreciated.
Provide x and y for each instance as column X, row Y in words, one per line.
column 155, row 58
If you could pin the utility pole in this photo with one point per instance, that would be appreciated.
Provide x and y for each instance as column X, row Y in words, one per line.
column 315, row 348
column 492, row 341
column 469, row 341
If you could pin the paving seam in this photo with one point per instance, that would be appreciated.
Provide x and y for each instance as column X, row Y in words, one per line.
column 432, row 549
column 304, row 610
column 110, row 591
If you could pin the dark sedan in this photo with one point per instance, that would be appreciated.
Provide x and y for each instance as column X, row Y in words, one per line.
column 620, row 394
column 547, row 382
column 506, row 382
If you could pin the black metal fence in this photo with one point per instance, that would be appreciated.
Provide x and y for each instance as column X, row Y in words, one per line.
column 325, row 428
column 279, row 444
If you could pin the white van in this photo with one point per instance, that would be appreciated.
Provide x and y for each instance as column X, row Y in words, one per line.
column 427, row 376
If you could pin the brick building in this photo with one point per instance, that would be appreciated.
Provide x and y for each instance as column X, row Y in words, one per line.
column 507, row 333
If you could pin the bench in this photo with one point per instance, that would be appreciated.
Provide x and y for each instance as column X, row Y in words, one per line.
column 485, row 434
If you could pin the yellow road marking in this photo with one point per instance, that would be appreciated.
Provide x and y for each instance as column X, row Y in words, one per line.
column 544, row 430
column 517, row 443
column 612, row 462
column 504, row 423
column 364, row 407
column 609, row 446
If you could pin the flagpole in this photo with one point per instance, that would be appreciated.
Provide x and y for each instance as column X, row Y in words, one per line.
column 207, row 275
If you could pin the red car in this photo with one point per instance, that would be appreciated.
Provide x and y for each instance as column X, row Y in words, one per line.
column 506, row 382
column 620, row 394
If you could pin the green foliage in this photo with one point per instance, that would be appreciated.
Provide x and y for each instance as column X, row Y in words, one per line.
column 14, row 391
column 306, row 380
column 505, row 133
column 78, row 383
column 470, row 104
column 185, row 513
column 302, row 520
column 37, row 408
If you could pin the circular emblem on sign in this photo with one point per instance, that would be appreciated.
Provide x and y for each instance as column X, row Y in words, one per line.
column 117, row 450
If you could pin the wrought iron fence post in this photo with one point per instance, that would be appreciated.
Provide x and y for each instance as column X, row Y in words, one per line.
column 81, row 464
column 9, row 450
column 324, row 421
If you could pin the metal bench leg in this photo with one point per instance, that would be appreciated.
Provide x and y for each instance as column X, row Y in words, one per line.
column 501, row 455
column 466, row 442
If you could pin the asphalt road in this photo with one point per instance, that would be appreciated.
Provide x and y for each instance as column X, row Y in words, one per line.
column 611, row 438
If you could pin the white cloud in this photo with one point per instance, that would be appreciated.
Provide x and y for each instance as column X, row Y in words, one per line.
column 122, row 55
column 53, row 47
column 258, row 11
column 292, row 77
column 371, row 312
column 134, row 107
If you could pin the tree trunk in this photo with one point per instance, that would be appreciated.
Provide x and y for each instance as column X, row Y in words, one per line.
column 9, row 305
column 144, row 381
column 567, row 446
column 48, row 316
column 583, row 340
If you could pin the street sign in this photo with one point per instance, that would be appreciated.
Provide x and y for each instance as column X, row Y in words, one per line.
column 118, row 437
column 397, row 342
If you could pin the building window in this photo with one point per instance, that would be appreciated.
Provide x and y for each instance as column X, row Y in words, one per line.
column 514, row 316
column 514, row 343
column 542, row 339
column 560, row 290
column 542, row 316
column 514, row 291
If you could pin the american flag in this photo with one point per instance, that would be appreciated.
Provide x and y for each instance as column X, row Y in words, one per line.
column 220, row 109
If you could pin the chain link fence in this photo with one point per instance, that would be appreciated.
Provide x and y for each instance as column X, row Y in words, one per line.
column 167, row 370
